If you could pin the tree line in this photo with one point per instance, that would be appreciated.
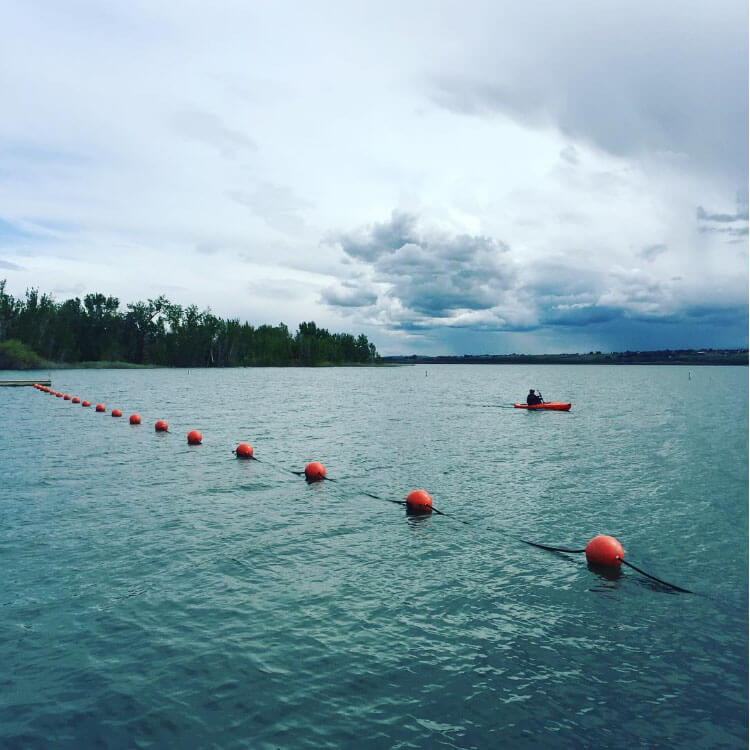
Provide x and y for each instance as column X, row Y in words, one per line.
column 159, row 332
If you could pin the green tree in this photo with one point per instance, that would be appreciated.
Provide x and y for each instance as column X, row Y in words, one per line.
column 159, row 332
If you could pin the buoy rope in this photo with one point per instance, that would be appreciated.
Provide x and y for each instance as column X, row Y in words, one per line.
column 552, row 549
column 275, row 466
column 620, row 559
column 387, row 499
column 654, row 578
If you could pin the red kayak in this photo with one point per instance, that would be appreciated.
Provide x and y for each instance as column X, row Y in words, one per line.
column 553, row 405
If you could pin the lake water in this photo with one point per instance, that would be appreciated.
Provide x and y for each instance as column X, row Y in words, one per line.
column 159, row 595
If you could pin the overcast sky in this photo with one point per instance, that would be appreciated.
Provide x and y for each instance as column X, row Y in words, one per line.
column 447, row 177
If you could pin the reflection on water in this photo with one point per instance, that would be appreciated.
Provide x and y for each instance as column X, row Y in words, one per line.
column 607, row 573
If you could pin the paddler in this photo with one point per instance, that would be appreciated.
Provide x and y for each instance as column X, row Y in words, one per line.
column 534, row 398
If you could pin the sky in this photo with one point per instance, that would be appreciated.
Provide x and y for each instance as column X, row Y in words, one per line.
column 446, row 177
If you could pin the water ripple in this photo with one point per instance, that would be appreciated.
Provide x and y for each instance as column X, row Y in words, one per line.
column 158, row 595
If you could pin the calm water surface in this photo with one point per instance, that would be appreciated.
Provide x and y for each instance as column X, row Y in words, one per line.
column 157, row 595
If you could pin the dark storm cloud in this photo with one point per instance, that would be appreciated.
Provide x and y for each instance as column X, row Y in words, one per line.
column 349, row 295
column 426, row 282
column 430, row 274
column 561, row 282
column 371, row 243
column 632, row 80
column 715, row 315
column 565, row 296
column 579, row 316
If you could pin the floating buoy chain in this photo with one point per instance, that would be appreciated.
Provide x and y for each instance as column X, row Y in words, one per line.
column 279, row 468
column 602, row 550
column 552, row 549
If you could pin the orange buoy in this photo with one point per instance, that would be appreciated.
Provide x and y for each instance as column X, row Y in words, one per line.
column 161, row 426
column 135, row 419
column 100, row 407
column 76, row 400
column 315, row 471
column 116, row 413
column 419, row 501
column 59, row 394
column 244, row 450
column 67, row 397
column 85, row 403
column 605, row 550
column 195, row 437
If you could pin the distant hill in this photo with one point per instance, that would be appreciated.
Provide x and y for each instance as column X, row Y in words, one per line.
column 658, row 357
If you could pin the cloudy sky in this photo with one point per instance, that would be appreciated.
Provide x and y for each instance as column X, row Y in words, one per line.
column 447, row 177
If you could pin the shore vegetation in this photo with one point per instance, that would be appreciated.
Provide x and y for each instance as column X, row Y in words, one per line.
column 37, row 332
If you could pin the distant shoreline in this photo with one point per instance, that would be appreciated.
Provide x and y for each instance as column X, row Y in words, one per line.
column 45, row 365
column 696, row 357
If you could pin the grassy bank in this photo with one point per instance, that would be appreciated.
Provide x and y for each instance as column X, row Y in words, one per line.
column 15, row 355
column 103, row 365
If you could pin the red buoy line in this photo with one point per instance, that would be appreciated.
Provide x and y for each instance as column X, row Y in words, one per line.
column 602, row 551
column 606, row 552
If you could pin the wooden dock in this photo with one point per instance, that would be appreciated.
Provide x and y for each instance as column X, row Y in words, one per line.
column 25, row 382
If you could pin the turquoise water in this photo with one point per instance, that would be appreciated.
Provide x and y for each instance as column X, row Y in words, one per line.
column 159, row 595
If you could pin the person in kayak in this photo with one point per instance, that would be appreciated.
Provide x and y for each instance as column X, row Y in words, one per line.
column 534, row 398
